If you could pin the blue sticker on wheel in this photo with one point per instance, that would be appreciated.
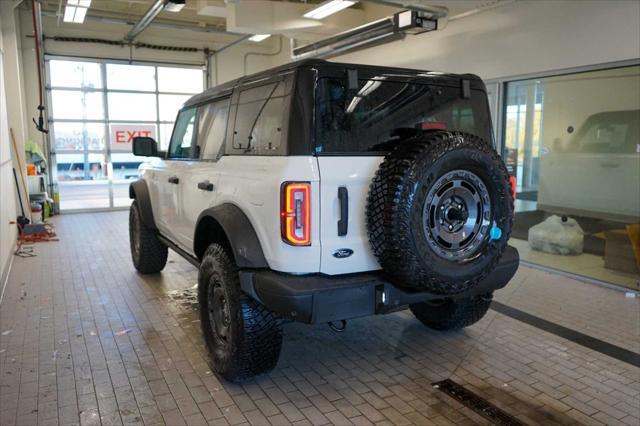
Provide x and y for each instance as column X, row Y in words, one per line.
column 495, row 233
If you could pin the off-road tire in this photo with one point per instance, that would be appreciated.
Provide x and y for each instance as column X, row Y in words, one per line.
column 452, row 314
column 398, row 194
column 148, row 253
column 253, row 337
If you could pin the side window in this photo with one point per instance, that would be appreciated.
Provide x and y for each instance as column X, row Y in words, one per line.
column 183, row 133
column 267, row 132
column 212, row 126
column 260, row 119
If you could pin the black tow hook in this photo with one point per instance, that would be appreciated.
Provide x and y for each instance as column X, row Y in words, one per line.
column 343, row 326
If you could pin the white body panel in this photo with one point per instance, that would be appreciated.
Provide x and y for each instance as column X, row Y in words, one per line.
column 252, row 183
column 354, row 173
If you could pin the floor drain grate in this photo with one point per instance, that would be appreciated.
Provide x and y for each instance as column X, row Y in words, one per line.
column 477, row 403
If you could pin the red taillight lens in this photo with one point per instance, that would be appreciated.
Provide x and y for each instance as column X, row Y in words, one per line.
column 432, row 125
column 512, row 182
column 295, row 213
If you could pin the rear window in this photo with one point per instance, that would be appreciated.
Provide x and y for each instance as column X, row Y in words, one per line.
column 371, row 118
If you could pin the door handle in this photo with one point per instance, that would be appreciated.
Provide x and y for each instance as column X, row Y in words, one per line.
column 205, row 186
column 343, row 223
column 173, row 179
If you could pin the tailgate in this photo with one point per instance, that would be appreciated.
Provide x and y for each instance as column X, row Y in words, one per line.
column 348, row 253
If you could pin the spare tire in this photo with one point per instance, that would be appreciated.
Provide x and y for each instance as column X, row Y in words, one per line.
column 439, row 212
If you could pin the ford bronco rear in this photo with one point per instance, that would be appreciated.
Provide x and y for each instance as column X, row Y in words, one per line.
column 321, row 192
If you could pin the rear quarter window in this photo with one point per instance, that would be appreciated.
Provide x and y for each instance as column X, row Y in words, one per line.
column 261, row 117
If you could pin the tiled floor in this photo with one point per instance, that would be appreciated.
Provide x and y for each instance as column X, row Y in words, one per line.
column 84, row 339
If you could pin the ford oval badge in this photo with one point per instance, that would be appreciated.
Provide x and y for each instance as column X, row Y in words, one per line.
column 342, row 253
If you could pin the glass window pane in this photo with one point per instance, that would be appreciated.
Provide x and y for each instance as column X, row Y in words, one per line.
column 212, row 126
column 132, row 106
column 367, row 120
column 169, row 106
column 75, row 74
column 165, row 135
column 72, row 104
column 267, row 132
column 572, row 143
column 182, row 138
column 78, row 136
column 180, row 80
column 250, row 104
column 83, row 194
column 125, row 165
column 131, row 77
column 81, row 166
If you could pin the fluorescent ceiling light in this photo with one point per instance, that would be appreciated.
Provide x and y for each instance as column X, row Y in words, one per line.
column 328, row 8
column 174, row 5
column 259, row 37
column 76, row 10
column 80, row 14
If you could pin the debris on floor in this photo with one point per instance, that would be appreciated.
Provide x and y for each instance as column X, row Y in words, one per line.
column 187, row 297
column 34, row 233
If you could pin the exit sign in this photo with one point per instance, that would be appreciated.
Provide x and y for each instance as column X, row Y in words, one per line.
column 121, row 135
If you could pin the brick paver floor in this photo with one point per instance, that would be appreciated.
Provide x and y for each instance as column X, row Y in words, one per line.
column 86, row 340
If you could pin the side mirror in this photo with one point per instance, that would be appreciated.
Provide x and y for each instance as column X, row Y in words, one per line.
column 145, row 146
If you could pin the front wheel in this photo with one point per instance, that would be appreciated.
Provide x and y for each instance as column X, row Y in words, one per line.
column 449, row 314
column 243, row 337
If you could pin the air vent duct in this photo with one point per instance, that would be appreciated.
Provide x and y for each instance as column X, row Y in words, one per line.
column 375, row 33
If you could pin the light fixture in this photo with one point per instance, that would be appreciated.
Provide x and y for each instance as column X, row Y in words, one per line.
column 174, row 5
column 327, row 8
column 76, row 10
column 259, row 37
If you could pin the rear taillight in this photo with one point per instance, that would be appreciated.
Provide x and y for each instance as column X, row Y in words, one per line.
column 512, row 182
column 432, row 125
column 295, row 213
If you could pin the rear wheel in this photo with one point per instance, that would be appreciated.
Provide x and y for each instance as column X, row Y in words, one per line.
column 148, row 253
column 243, row 337
column 448, row 314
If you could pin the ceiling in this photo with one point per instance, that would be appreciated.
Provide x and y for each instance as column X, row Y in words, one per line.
column 224, row 20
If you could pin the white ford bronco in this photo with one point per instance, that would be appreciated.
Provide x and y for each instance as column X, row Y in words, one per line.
column 321, row 192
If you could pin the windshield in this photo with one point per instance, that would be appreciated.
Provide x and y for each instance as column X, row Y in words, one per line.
column 369, row 119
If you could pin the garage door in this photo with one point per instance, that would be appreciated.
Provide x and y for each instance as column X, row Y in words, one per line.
column 97, row 107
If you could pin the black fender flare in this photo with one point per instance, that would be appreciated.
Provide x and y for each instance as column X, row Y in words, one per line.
column 139, row 191
column 239, row 232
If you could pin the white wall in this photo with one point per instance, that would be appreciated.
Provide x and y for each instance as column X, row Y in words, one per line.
column 7, row 188
column 520, row 38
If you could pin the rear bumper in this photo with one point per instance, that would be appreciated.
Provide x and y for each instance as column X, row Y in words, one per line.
column 321, row 298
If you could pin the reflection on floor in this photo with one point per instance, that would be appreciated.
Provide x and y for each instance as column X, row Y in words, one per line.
column 85, row 339
column 586, row 264
column 84, row 195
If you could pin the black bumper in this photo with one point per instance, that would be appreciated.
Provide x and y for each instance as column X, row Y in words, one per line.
column 323, row 298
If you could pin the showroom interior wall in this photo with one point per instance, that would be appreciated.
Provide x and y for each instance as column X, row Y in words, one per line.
column 11, row 116
column 520, row 38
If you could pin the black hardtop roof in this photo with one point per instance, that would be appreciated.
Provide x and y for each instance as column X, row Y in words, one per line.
column 323, row 65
